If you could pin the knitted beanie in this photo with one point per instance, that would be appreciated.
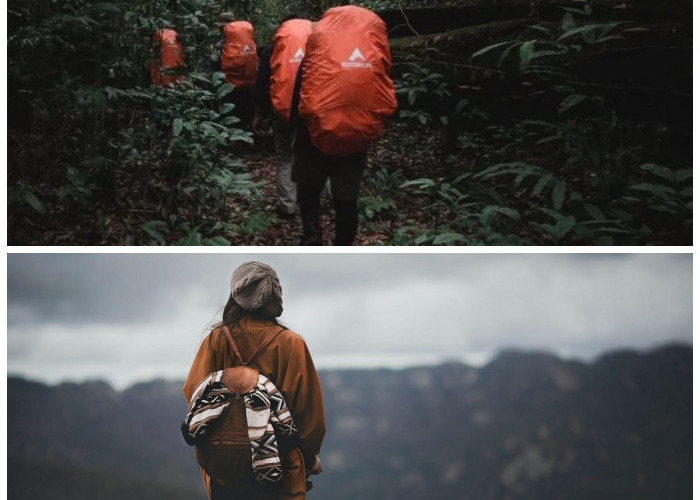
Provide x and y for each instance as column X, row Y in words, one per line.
column 256, row 288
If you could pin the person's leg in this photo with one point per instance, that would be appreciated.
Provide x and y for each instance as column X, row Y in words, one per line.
column 286, row 188
column 310, row 210
column 346, row 174
column 345, row 221
column 310, row 179
column 242, row 99
column 247, row 107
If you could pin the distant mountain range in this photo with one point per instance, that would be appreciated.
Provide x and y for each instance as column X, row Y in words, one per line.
column 525, row 426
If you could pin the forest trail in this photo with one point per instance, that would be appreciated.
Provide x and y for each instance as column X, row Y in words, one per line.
column 398, row 152
column 531, row 123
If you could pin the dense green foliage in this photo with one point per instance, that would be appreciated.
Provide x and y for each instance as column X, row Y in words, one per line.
column 515, row 139
column 94, row 146
column 571, row 171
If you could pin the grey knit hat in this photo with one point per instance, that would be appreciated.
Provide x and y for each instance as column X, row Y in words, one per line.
column 256, row 288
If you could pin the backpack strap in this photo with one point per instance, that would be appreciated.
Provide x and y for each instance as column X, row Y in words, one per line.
column 236, row 353
column 234, row 347
column 268, row 340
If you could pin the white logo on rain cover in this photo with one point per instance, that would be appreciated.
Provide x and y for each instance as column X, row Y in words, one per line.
column 356, row 54
column 356, row 60
column 298, row 56
column 246, row 49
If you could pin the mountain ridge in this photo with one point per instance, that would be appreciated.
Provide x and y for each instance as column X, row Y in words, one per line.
column 501, row 354
column 525, row 425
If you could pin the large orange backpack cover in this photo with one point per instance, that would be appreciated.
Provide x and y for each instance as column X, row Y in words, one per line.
column 289, row 49
column 171, row 55
column 239, row 56
column 346, row 90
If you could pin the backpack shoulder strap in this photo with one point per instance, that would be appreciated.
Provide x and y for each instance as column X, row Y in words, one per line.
column 232, row 343
column 268, row 340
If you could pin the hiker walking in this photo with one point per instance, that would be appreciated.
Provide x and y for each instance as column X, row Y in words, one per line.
column 278, row 66
column 235, row 54
column 167, row 68
column 342, row 94
column 257, row 438
column 169, row 57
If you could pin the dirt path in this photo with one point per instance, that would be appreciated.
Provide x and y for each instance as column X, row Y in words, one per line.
column 387, row 158
column 287, row 232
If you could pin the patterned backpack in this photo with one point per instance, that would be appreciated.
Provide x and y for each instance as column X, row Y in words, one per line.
column 242, row 430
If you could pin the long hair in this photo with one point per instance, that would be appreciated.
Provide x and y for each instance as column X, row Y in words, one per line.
column 234, row 313
column 231, row 317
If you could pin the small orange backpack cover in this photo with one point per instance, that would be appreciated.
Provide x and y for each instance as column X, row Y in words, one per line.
column 289, row 48
column 171, row 55
column 239, row 56
column 346, row 91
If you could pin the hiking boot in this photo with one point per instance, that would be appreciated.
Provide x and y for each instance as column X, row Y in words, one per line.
column 345, row 222
column 310, row 241
column 283, row 214
column 311, row 230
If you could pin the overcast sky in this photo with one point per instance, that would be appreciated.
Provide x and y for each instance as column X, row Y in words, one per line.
column 132, row 317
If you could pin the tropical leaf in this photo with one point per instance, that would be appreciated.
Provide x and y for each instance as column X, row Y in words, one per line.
column 420, row 183
column 34, row 202
column 107, row 7
column 567, row 22
column 488, row 49
column 192, row 238
column 588, row 29
column 558, row 194
column 449, row 239
column 660, row 171
column 683, row 175
column 156, row 229
column 570, row 102
column 461, row 105
column 223, row 90
column 657, row 189
column 488, row 213
column 505, row 53
column 525, row 52
column 177, row 127
column 541, row 183
column 594, row 211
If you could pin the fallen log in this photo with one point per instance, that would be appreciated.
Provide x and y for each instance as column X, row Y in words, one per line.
column 474, row 37
column 431, row 20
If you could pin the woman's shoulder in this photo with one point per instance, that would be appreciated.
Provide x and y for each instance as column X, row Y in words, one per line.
column 291, row 337
column 215, row 332
column 215, row 336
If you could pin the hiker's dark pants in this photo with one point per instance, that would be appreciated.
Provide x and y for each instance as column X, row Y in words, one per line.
column 242, row 98
column 310, row 171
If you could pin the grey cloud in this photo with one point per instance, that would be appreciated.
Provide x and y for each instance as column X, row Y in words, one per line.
column 124, row 308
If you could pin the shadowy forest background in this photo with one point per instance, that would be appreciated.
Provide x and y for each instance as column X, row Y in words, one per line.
column 521, row 122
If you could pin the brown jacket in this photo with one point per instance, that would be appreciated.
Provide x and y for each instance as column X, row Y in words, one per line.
column 288, row 364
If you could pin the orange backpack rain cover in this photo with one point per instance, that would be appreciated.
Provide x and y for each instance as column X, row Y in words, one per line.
column 346, row 90
column 171, row 56
column 239, row 56
column 289, row 49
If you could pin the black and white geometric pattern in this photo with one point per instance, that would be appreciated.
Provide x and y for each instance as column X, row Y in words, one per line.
column 267, row 416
